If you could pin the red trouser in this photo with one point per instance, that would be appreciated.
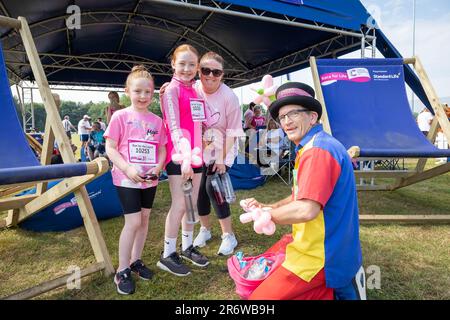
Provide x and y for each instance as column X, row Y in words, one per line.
column 285, row 285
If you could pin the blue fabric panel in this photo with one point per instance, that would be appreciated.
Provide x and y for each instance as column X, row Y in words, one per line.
column 65, row 215
column 389, row 51
column 369, row 108
column 56, row 171
column 14, row 148
column 349, row 14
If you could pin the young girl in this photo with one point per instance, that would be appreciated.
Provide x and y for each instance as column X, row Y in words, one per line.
column 258, row 119
column 183, row 116
column 135, row 143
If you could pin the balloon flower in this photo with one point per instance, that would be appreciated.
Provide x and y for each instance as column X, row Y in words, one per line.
column 186, row 156
column 266, row 94
column 261, row 216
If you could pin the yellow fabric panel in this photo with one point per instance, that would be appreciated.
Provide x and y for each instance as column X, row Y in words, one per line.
column 305, row 256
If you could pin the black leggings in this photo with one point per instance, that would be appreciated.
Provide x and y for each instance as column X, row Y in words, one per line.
column 206, row 197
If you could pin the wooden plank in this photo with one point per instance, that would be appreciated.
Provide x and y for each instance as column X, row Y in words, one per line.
column 54, row 194
column 382, row 187
column 354, row 152
column 46, row 154
column 378, row 218
column 409, row 60
column 46, row 94
column 16, row 188
column 13, row 218
column 319, row 94
column 383, row 173
column 93, row 229
column 34, row 143
column 98, row 167
column 433, row 172
column 433, row 98
column 53, row 284
column 2, row 223
column 431, row 136
column 9, row 22
column 49, row 138
column 16, row 202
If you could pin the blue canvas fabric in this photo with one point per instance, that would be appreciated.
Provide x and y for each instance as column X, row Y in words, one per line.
column 368, row 107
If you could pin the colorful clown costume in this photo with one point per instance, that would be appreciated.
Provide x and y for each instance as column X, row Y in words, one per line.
column 325, row 253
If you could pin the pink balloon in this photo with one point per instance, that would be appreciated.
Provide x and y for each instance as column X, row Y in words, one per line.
column 270, row 91
column 269, row 229
column 267, row 101
column 258, row 99
column 267, row 81
column 245, row 217
column 185, row 167
column 257, row 228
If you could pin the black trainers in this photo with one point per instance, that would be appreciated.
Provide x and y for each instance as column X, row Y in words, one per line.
column 141, row 270
column 124, row 282
column 174, row 265
column 193, row 255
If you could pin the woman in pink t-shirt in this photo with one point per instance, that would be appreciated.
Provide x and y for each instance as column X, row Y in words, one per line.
column 183, row 115
column 114, row 105
column 224, row 126
column 136, row 144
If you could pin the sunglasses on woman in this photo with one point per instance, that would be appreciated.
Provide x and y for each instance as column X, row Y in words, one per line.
column 215, row 72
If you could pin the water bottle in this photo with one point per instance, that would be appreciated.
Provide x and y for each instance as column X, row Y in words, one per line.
column 240, row 256
column 257, row 270
column 230, row 197
column 217, row 187
column 191, row 209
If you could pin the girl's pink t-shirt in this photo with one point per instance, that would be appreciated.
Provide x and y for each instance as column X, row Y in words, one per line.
column 183, row 115
column 259, row 121
column 138, row 136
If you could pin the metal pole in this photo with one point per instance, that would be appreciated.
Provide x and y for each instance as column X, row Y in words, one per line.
column 363, row 47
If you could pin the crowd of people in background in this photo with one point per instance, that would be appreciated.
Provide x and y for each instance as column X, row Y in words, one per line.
column 91, row 132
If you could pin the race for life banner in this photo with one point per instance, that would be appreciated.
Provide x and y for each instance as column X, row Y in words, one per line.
column 354, row 75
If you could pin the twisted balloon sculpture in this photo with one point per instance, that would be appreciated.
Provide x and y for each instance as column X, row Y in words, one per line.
column 261, row 216
column 187, row 157
column 266, row 94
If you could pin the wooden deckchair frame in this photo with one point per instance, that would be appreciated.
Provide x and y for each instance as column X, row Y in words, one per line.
column 403, row 178
column 23, row 207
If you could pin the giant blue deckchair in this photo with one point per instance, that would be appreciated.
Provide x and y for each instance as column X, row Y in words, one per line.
column 365, row 105
column 19, row 166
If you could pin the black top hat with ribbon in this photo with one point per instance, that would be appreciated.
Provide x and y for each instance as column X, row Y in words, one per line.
column 295, row 93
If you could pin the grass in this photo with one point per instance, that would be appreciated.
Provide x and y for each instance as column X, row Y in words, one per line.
column 414, row 260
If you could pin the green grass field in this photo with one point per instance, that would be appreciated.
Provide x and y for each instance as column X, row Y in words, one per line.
column 414, row 260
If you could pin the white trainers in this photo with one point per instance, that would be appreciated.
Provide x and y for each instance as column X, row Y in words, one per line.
column 228, row 244
column 203, row 236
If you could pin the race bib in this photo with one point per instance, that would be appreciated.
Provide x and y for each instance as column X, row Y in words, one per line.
column 197, row 110
column 142, row 152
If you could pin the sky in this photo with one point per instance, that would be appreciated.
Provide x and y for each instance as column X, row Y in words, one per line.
column 395, row 18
